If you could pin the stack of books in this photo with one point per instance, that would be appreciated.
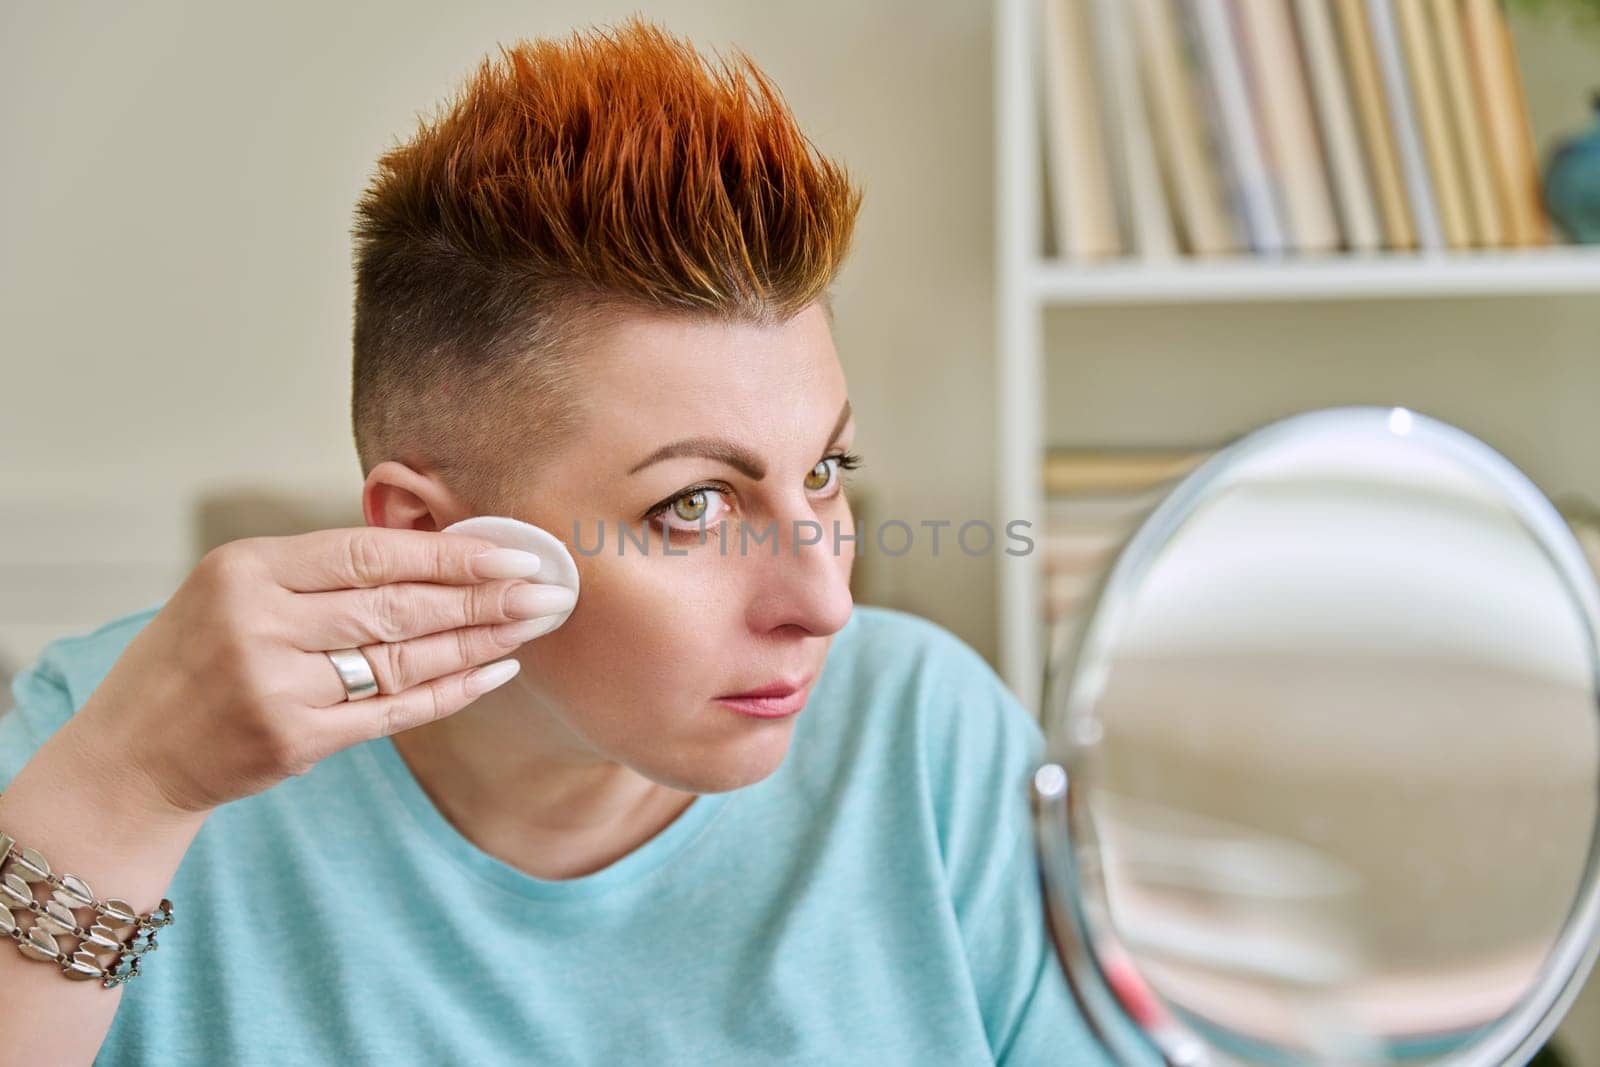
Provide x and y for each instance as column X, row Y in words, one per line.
column 1094, row 499
column 1273, row 127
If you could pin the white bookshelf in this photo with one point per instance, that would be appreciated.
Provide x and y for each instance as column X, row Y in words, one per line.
column 1347, row 277
column 1029, row 285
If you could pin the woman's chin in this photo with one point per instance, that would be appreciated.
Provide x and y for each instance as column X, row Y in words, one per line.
column 729, row 766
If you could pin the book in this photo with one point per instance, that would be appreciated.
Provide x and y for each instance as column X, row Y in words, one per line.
column 1353, row 192
column 1377, row 133
column 1122, row 470
column 1209, row 127
column 1193, row 176
column 1413, row 164
column 1136, row 172
column 1467, row 122
column 1095, row 499
column 1255, row 192
column 1433, row 122
column 1073, row 569
column 1079, row 178
column 1289, row 131
column 1080, row 542
column 1210, row 107
column 1505, row 112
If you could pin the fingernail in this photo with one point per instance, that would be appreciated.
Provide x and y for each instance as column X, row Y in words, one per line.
column 505, row 563
column 529, row 601
column 492, row 675
column 517, row 633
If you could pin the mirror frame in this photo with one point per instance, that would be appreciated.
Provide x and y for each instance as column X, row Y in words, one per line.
column 1058, row 812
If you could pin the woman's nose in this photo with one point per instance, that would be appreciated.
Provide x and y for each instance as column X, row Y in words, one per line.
column 803, row 575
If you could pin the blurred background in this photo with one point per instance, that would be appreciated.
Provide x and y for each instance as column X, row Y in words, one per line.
column 176, row 194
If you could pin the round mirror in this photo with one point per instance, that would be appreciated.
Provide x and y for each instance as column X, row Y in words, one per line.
column 1323, row 760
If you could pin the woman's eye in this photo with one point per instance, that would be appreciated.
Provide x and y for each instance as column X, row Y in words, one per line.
column 825, row 473
column 692, row 510
column 705, row 506
column 821, row 475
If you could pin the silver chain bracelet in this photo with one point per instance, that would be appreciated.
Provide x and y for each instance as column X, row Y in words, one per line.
column 20, row 867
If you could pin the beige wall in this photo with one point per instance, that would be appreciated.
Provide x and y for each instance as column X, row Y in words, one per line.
column 174, row 284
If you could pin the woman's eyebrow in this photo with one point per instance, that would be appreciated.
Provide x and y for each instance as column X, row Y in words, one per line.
column 727, row 452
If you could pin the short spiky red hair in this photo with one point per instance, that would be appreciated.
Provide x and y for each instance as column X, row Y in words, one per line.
column 613, row 170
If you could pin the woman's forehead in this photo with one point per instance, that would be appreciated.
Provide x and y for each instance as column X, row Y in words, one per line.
column 651, row 380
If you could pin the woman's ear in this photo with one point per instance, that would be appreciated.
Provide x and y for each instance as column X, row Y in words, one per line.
column 399, row 498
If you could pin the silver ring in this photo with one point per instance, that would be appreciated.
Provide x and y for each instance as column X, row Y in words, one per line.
column 355, row 673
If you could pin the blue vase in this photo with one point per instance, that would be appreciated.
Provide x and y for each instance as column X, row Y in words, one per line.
column 1572, row 184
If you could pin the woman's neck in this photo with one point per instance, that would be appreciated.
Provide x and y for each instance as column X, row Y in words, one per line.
column 531, row 798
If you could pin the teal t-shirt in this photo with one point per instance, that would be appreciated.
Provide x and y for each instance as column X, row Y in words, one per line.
column 873, row 901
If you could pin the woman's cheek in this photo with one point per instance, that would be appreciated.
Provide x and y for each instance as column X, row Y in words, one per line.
column 639, row 602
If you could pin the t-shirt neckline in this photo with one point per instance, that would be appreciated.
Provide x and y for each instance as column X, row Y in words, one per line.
column 628, row 870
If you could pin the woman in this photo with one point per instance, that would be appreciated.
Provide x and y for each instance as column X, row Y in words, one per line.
column 591, row 295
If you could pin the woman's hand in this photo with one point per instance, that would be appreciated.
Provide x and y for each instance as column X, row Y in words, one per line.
column 227, row 690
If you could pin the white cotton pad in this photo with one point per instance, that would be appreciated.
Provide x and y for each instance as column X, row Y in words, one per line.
column 556, row 565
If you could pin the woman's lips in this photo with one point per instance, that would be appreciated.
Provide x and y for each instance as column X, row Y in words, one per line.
column 770, row 701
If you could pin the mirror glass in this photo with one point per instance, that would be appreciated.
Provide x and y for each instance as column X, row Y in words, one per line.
column 1324, row 758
